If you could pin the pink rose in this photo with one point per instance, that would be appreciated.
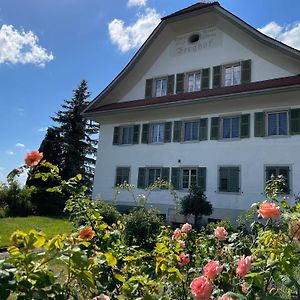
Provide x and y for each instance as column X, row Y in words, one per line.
column 184, row 259
column 101, row 297
column 201, row 288
column 221, row 234
column 177, row 233
column 212, row 269
column 244, row 287
column 294, row 229
column 243, row 266
column 32, row 158
column 186, row 227
column 225, row 297
column 269, row 210
column 181, row 243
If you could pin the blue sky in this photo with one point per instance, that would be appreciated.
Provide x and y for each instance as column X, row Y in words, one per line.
column 65, row 41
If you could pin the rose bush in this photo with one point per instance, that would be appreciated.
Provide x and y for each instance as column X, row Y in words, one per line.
column 184, row 263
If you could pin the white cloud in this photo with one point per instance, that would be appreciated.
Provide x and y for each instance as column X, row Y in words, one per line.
column 20, row 145
column 21, row 47
column 137, row 2
column 42, row 129
column 133, row 36
column 288, row 34
column 10, row 152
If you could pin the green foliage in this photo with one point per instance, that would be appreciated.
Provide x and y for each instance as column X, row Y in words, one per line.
column 108, row 212
column 210, row 227
column 196, row 204
column 142, row 227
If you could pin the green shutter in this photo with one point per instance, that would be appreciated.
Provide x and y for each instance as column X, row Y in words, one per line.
column 217, row 76
column 201, row 178
column 259, row 124
column 245, row 126
column 177, row 131
column 234, row 179
column 148, row 88
column 175, row 178
column 170, row 86
column 142, row 178
column 215, row 128
column 179, row 83
column 136, row 134
column 145, row 134
column 203, row 129
column 168, row 132
column 205, row 79
column 246, row 71
column 294, row 115
column 165, row 174
column 116, row 139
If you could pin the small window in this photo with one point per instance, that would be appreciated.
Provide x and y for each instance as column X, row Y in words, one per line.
column 277, row 123
column 191, row 131
column 189, row 177
column 231, row 128
column 153, row 175
column 232, row 74
column 127, row 135
column 161, row 87
column 229, row 179
column 157, row 133
column 279, row 170
column 122, row 175
column 194, row 82
column 194, row 38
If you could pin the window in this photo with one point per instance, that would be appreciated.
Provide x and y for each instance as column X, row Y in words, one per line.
column 189, row 178
column 153, row 175
column 191, row 131
column 161, row 87
column 232, row 74
column 279, row 170
column 157, row 133
column 122, row 175
column 277, row 123
column 148, row 175
column 229, row 179
column 127, row 135
column 194, row 82
column 231, row 128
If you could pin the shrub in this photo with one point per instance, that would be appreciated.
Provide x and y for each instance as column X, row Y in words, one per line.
column 109, row 212
column 142, row 227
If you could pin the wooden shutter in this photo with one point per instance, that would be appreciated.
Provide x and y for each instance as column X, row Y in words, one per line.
column 245, row 126
column 205, row 79
column 136, row 134
column 203, row 129
column 165, row 174
column 217, row 76
column 170, row 86
column 141, row 178
column 168, row 132
column 201, row 178
column 234, row 179
column 179, row 83
column 149, row 88
column 246, row 71
column 177, row 131
column 175, row 178
column 116, row 138
column 259, row 124
column 145, row 134
column 215, row 128
column 294, row 115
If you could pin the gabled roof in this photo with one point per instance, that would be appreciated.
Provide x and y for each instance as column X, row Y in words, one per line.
column 247, row 88
column 193, row 9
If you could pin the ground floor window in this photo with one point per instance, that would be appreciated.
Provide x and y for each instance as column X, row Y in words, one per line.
column 277, row 171
column 122, row 175
column 153, row 175
column 229, row 179
column 189, row 177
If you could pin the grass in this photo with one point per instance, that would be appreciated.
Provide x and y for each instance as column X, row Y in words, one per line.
column 49, row 225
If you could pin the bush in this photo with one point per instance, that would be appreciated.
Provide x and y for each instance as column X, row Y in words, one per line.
column 142, row 227
column 210, row 227
column 109, row 212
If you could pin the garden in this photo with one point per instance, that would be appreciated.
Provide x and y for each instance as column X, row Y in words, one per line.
column 109, row 256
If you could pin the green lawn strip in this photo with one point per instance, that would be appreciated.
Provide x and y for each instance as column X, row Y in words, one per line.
column 49, row 225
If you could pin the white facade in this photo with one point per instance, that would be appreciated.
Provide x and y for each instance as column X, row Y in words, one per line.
column 222, row 41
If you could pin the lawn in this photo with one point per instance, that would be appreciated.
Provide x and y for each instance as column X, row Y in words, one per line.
column 50, row 226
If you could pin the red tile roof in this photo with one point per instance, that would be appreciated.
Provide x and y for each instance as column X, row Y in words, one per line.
column 247, row 87
column 191, row 8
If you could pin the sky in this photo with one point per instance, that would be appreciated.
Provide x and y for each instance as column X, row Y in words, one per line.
column 48, row 47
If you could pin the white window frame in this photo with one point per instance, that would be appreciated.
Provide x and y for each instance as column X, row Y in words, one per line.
column 187, row 85
column 148, row 174
column 152, row 127
column 231, row 66
column 183, row 130
column 189, row 169
column 222, row 127
column 161, row 79
column 219, row 178
column 116, row 179
column 277, row 122
column 130, row 137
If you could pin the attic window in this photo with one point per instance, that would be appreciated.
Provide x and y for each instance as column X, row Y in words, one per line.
column 194, row 38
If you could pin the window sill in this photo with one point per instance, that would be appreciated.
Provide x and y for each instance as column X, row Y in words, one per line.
column 277, row 136
column 229, row 139
column 229, row 193
column 156, row 143
column 190, row 142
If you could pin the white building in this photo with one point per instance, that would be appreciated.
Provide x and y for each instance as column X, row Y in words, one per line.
column 208, row 100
